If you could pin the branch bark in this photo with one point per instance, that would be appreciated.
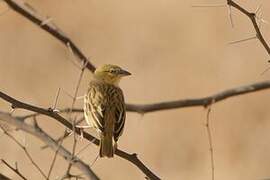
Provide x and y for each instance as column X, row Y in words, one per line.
column 22, row 8
column 43, row 136
column 29, row 13
column 205, row 101
column 185, row 103
column 252, row 17
column 50, row 113
column 15, row 170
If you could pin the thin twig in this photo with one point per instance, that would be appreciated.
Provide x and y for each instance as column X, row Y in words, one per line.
column 243, row 40
column 84, row 148
column 208, row 5
column 210, row 141
column 55, row 155
column 74, row 120
column 56, row 99
column 252, row 17
column 25, row 151
column 264, row 71
column 47, row 139
column 230, row 16
column 15, row 170
column 66, row 134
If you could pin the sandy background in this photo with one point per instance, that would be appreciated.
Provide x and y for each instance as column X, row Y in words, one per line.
column 174, row 52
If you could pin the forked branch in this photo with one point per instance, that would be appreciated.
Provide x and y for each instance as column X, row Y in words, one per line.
column 43, row 136
column 252, row 17
column 50, row 113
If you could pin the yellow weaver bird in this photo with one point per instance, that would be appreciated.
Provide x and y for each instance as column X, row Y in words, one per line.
column 104, row 107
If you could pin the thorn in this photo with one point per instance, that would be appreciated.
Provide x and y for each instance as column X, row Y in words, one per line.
column 29, row 7
column 94, row 161
column 80, row 151
column 35, row 123
column 46, row 21
column 267, row 69
column 243, row 40
column 56, row 99
column 24, row 140
column 56, row 110
column 70, row 132
column 12, row 110
column 258, row 8
column 73, row 56
column 67, row 93
column 264, row 21
column 84, row 64
column 209, row 5
column 230, row 15
column 16, row 165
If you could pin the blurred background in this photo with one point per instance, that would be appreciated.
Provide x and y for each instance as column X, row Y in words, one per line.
column 174, row 51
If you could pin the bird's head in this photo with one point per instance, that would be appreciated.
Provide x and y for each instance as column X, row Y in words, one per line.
column 111, row 74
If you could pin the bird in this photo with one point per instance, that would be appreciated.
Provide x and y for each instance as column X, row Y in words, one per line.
column 104, row 107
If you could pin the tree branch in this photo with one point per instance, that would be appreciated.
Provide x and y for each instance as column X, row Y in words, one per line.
column 43, row 136
column 50, row 113
column 252, row 17
column 23, row 9
column 28, row 12
column 15, row 170
column 205, row 101
column 185, row 103
column 25, row 152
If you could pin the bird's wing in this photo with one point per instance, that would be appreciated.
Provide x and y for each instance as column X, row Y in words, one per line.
column 95, row 107
column 120, row 115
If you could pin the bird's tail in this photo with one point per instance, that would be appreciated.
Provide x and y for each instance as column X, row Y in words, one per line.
column 106, row 146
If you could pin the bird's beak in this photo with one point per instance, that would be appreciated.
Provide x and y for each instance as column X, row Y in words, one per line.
column 124, row 73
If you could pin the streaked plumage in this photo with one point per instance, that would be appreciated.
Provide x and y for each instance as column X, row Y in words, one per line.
column 104, row 107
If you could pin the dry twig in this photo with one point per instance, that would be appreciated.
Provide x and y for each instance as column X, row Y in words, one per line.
column 15, row 170
column 252, row 17
column 25, row 151
column 44, row 137
column 48, row 112
column 210, row 140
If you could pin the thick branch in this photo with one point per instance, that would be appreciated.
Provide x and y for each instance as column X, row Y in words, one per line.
column 24, row 9
column 48, row 112
column 252, row 17
column 40, row 134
